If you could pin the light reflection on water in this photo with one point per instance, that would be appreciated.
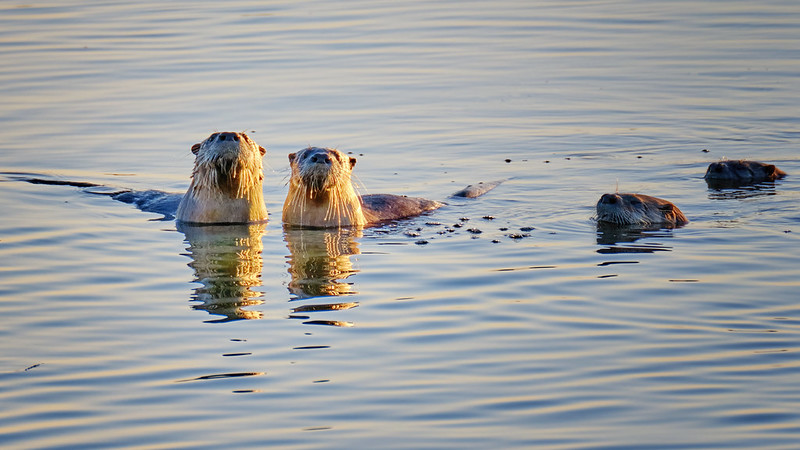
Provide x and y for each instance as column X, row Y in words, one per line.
column 512, row 320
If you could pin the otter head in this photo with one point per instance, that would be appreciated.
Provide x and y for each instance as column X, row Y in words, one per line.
column 226, row 181
column 728, row 171
column 319, row 170
column 637, row 209
column 321, row 192
column 228, row 162
column 742, row 171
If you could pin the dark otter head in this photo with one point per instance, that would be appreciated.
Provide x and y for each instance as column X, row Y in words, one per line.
column 318, row 170
column 742, row 171
column 729, row 171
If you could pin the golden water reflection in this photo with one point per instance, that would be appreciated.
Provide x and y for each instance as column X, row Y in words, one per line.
column 227, row 262
column 319, row 261
column 319, row 265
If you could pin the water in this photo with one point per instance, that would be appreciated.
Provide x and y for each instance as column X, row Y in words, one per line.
column 120, row 330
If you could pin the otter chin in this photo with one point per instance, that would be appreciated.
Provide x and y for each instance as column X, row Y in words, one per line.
column 321, row 194
column 226, row 182
column 638, row 209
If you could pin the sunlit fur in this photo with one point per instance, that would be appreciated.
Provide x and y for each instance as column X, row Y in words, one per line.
column 638, row 209
column 742, row 171
column 321, row 192
column 226, row 182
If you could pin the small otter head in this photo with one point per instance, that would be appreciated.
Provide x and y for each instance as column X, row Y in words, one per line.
column 638, row 209
column 321, row 192
column 226, row 181
column 742, row 171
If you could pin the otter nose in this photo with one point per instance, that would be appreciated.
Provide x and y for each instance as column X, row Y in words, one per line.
column 609, row 199
column 228, row 136
column 320, row 158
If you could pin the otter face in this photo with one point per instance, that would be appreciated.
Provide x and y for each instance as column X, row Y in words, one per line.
column 226, row 182
column 728, row 171
column 637, row 209
column 321, row 192
column 742, row 172
column 320, row 169
column 229, row 162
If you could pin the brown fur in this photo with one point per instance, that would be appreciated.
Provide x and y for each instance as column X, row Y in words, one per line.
column 638, row 209
column 742, row 172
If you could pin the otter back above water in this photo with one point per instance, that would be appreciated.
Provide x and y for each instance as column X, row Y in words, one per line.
column 322, row 195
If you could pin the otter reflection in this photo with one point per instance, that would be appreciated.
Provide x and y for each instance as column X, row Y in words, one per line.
column 730, row 191
column 227, row 262
column 319, row 265
column 612, row 234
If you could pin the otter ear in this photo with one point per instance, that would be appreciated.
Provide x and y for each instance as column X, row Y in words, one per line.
column 195, row 148
column 262, row 150
column 292, row 156
column 352, row 162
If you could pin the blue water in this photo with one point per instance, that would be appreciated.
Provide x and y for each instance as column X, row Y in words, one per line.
column 541, row 330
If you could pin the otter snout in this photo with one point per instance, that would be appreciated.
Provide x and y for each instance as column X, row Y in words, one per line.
column 320, row 158
column 609, row 199
column 227, row 136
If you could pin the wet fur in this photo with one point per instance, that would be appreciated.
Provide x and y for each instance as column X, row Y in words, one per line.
column 638, row 209
column 226, row 182
column 742, row 172
column 321, row 194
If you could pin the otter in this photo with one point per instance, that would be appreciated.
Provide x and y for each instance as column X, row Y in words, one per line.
column 225, row 187
column 741, row 172
column 226, row 182
column 638, row 209
column 321, row 194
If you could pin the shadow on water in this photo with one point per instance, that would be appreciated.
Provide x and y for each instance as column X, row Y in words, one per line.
column 622, row 238
column 227, row 263
column 319, row 266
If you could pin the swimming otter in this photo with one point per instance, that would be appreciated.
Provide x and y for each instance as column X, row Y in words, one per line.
column 638, row 209
column 225, row 187
column 321, row 194
column 226, row 182
column 741, row 172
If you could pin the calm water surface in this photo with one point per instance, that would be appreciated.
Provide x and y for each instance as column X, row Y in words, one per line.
column 535, row 328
